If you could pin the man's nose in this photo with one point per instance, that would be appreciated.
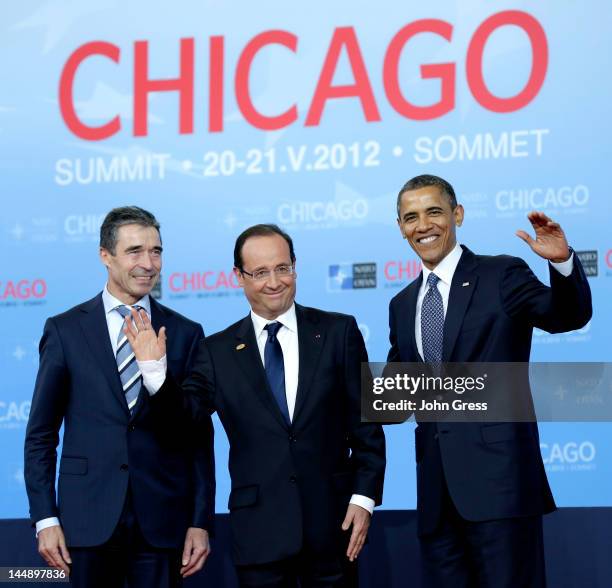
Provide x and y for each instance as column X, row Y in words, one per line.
column 423, row 223
column 146, row 261
column 273, row 280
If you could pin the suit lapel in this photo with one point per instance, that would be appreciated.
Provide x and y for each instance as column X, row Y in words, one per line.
column 462, row 289
column 159, row 318
column 310, row 342
column 95, row 331
column 248, row 358
column 405, row 327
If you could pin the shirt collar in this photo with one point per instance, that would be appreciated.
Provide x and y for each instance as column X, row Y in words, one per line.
column 110, row 302
column 446, row 268
column 287, row 319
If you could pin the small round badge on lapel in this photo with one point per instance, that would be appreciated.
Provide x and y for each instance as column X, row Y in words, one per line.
column 240, row 346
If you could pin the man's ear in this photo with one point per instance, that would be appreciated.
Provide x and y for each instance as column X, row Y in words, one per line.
column 399, row 226
column 104, row 256
column 458, row 214
column 239, row 277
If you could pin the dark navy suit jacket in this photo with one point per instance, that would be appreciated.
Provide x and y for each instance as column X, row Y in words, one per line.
column 170, row 469
column 291, row 483
column 492, row 470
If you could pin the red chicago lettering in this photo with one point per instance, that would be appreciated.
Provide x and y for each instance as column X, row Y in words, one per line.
column 203, row 281
column 216, row 68
column 398, row 270
column 222, row 281
column 388, row 275
column 9, row 291
column 344, row 39
column 243, row 69
column 39, row 288
column 143, row 86
column 539, row 65
column 23, row 289
column 178, row 282
column 209, row 280
column 444, row 71
column 362, row 89
column 66, row 92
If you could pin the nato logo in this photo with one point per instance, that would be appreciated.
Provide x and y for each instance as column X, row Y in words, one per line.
column 340, row 277
column 589, row 262
column 351, row 276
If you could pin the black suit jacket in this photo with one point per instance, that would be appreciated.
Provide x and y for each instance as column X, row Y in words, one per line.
column 170, row 471
column 291, row 484
column 492, row 470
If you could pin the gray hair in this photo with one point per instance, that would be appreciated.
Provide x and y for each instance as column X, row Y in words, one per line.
column 118, row 217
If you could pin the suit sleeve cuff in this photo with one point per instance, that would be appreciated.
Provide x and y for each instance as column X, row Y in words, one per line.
column 46, row 523
column 363, row 502
column 153, row 373
column 565, row 268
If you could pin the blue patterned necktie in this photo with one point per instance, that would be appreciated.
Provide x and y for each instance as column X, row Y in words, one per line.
column 129, row 373
column 432, row 321
column 275, row 368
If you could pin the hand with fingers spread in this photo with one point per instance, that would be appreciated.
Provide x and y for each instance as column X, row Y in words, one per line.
column 146, row 344
column 359, row 518
column 550, row 242
column 52, row 547
column 195, row 551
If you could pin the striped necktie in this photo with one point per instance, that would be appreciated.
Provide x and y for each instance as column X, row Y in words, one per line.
column 126, row 363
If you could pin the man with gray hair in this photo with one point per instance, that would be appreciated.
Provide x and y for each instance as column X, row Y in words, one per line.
column 136, row 487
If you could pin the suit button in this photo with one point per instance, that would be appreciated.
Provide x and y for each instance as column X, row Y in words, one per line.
column 132, row 428
column 292, row 479
column 124, row 467
column 292, row 438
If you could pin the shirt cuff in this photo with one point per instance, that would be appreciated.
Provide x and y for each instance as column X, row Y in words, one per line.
column 46, row 523
column 153, row 373
column 565, row 268
column 363, row 502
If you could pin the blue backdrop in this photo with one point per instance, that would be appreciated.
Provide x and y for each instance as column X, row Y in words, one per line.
column 312, row 117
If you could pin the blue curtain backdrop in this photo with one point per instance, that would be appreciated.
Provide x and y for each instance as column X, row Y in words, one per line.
column 311, row 116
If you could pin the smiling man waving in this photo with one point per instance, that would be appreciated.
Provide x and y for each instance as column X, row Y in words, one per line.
column 481, row 487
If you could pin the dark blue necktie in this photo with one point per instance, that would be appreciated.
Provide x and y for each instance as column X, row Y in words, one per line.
column 432, row 321
column 275, row 368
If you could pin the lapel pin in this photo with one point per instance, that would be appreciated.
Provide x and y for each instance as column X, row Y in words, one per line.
column 240, row 347
column 465, row 284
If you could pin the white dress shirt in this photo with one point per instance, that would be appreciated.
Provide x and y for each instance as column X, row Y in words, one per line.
column 445, row 270
column 154, row 373
column 114, row 322
column 287, row 336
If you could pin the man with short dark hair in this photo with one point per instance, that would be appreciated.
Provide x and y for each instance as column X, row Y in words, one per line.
column 136, row 489
column 481, row 487
column 285, row 382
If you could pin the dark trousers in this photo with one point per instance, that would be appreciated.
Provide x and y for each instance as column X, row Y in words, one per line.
column 125, row 560
column 505, row 553
column 304, row 570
